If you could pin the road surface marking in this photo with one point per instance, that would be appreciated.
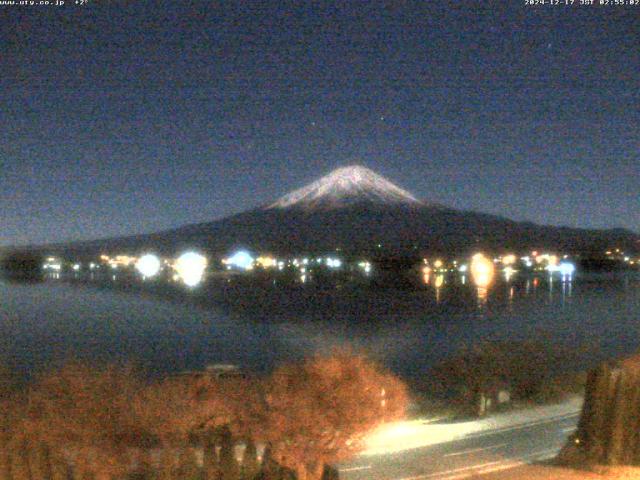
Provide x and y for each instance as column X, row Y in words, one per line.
column 438, row 474
column 522, row 426
column 354, row 469
column 473, row 450
column 568, row 429
column 498, row 468
column 484, row 468
column 492, row 467
column 542, row 454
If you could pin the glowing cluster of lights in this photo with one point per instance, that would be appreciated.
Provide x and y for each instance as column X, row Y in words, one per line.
column 509, row 259
column 366, row 266
column 482, row 270
column 53, row 264
column 190, row 268
column 620, row 255
column 148, row 265
column 566, row 269
column 614, row 253
column 546, row 258
column 333, row 262
column 118, row 261
column 266, row 262
column 241, row 259
column 438, row 265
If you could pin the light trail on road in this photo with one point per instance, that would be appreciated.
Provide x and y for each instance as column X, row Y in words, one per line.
column 476, row 454
column 474, row 450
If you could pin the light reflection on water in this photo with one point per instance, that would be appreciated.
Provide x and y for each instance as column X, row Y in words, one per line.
column 408, row 330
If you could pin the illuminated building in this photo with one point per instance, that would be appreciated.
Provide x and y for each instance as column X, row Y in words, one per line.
column 118, row 261
column 241, row 259
column 266, row 262
column 53, row 264
column 191, row 268
column 334, row 262
column 509, row 259
column 567, row 270
column 482, row 270
column 148, row 265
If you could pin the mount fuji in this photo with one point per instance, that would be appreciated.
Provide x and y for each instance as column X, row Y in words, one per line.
column 357, row 211
column 347, row 186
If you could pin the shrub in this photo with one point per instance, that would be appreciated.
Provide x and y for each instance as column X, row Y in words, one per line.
column 533, row 370
column 318, row 412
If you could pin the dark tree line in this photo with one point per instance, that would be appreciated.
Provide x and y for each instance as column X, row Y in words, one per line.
column 531, row 370
column 21, row 265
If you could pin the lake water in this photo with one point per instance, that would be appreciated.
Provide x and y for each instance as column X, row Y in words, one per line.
column 408, row 330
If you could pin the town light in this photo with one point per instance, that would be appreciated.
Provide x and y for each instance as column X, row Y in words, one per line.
column 148, row 265
column 267, row 262
column 366, row 266
column 482, row 270
column 191, row 267
column 566, row 269
column 241, row 259
column 508, row 272
column 52, row 264
column 334, row 262
column 509, row 259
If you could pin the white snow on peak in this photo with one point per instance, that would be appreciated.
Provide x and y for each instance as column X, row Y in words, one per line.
column 346, row 185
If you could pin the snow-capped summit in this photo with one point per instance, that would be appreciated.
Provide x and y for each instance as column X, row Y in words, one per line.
column 346, row 186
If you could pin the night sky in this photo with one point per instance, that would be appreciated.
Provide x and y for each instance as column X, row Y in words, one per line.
column 141, row 116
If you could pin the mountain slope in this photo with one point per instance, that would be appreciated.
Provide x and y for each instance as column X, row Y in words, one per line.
column 357, row 211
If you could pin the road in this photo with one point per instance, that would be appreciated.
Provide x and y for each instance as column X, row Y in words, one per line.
column 480, row 452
